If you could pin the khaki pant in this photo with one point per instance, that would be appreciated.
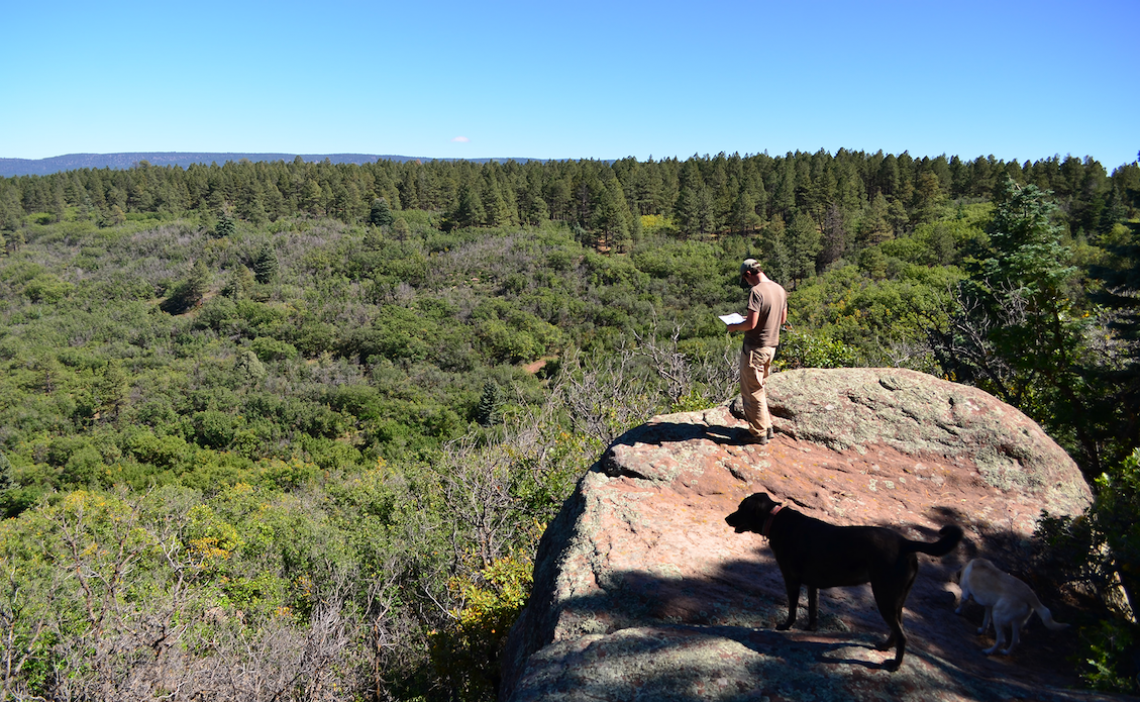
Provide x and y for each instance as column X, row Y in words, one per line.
column 755, row 363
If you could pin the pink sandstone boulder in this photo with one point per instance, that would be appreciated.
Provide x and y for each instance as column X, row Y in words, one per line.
column 642, row 592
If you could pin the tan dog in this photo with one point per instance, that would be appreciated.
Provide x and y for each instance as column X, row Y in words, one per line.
column 1008, row 601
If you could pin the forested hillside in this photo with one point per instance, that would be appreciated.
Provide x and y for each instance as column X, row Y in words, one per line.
column 291, row 430
column 70, row 162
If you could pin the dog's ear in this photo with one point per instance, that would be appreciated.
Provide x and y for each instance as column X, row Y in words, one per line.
column 763, row 502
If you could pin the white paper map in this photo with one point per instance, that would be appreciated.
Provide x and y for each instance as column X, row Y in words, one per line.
column 733, row 318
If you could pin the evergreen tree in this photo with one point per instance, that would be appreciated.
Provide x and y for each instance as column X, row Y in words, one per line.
column 409, row 189
column 15, row 241
column 587, row 195
column 498, row 212
column 823, row 194
column 104, row 399
column 198, row 282
column 189, row 293
column 775, row 253
column 693, row 210
column 1119, row 295
column 1017, row 333
column 802, row 242
column 635, row 231
column 251, row 204
column 849, row 194
column 784, row 192
column 224, row 227
column 722, row 192
column 112, row 217
column 983, row 178
column 400, row 229
column 10, row 208
column 742, row 217
column 558, row 198
column 239, row 283
column 897, row 217
column 532, row 207
column 959, row 178
column 754, row 186
column 833, row 242
column 265, row 265
column 7, row 475
column 928, row 202
column 887, row 179
column 647, row 187
column 373, row 240
column 874, row 228
column 275, row 205
column 312, row 198
column 489, row 410
column 380, row 215
column 346, row 204
column 1027, row 252
column 611, row 215
column 801, row 167
column 468, row 210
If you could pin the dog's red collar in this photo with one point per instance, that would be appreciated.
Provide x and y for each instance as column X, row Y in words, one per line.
column 768, row 521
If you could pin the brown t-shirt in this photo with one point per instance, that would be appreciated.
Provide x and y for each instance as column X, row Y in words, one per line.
column 769, row 301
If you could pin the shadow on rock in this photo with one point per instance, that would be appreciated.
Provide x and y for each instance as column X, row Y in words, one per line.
column 662, row 432
column 698, row 639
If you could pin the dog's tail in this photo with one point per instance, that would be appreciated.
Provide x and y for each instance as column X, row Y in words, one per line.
column 949, row 536
column 1042, row 610
column 1047, row 618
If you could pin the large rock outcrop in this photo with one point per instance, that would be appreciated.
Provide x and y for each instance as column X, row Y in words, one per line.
column 642, row 592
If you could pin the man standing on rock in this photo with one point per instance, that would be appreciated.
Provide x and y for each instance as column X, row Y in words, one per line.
column 767, row 312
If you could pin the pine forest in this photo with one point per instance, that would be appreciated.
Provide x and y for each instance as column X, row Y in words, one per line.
column 292, row 430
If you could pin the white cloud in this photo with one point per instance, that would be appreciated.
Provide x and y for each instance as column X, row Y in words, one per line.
column 461, row 139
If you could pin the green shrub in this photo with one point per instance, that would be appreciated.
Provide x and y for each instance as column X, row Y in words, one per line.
column 1102, row 547
column 164, row 452
column 466, row 653
column 288, row 475
column 219, row 314
column 814, row 350
column 1108, row 654
column 84, row 467
column 48, row 289
column 214, row 429
column 693, row 401
column 269, row 349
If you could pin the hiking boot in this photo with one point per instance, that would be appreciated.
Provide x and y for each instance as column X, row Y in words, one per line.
column 771, row 433
column 761, row 440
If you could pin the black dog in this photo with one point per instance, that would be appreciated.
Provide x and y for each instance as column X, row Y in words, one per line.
column 821, row 555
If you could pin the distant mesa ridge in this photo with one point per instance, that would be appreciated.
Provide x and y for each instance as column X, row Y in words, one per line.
column 10, row 167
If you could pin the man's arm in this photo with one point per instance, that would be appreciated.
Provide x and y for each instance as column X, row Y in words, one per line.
column 784, row 316
column 749, row 322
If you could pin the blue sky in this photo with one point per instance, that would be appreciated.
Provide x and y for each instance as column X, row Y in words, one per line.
column 584, row 79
